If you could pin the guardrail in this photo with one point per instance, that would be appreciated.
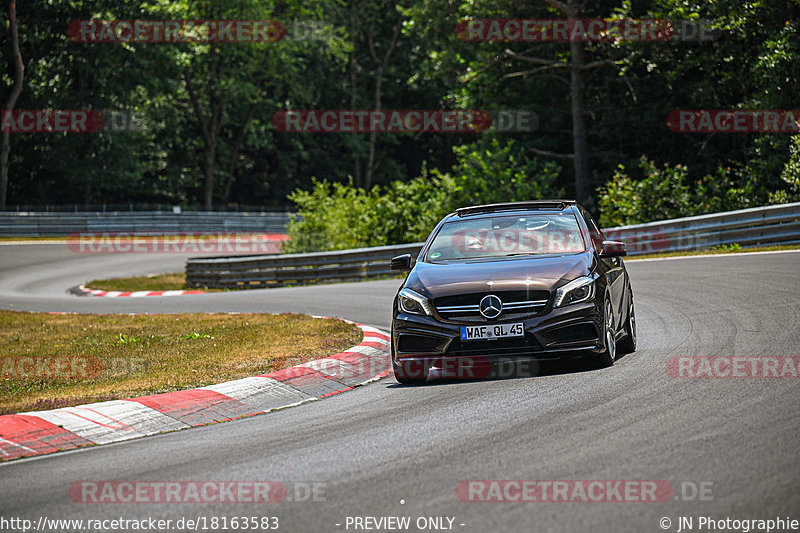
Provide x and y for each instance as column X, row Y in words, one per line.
column 37, row 224
column 774, row 224
column 778, row 224
column 262, row 271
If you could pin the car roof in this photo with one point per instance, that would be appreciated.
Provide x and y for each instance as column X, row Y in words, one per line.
column 534, row 205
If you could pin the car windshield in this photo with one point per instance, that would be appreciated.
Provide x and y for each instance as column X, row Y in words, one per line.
column 507, row 236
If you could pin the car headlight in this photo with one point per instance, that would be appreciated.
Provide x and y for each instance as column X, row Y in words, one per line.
column 577, row 290
column 412, row 303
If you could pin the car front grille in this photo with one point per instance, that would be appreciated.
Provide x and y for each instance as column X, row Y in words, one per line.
column 516, row 305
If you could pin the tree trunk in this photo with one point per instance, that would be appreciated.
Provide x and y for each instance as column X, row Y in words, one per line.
column 579, row 148
column 210, row 125
column 19, row 73
column 87, row 193
column 577, row 64
column 351, row 65
column 381, row 65
column 237, row 146
column 373, row 135
column 208, row 186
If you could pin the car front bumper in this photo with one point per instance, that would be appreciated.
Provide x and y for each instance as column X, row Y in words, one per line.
column 427, row 342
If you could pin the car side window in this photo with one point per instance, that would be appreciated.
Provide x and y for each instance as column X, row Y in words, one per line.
column 594, row 232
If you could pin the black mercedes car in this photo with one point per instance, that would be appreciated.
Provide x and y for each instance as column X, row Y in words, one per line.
column 514, row 282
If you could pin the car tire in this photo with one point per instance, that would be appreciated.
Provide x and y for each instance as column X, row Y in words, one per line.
column 607, row 356
column 628, row 344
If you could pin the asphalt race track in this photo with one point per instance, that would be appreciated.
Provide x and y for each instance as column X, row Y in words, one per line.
column 384, row 444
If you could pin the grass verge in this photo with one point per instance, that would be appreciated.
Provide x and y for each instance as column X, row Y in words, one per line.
column 730, row 249
column 160, row 282
column 49, row 361
column 177, row 282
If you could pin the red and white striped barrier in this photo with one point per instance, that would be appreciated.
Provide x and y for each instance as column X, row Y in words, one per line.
column 40, row 432
column 83, row 290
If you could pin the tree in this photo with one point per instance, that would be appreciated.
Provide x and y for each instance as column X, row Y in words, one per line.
column 487, row 75
column 220, row 81
column 577, row 65
column 380, row 64
column 19, row 74
column 392, row 55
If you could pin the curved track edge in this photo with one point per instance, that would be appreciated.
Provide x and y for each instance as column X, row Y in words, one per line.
column 42, row 432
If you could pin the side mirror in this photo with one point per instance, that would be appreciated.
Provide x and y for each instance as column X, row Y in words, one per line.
column 401, row 263
column 613, row 249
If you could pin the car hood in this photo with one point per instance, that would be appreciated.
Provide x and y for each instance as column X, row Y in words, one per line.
column 534, row 273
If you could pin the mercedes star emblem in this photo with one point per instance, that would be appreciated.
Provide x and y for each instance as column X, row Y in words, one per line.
column 491, row 306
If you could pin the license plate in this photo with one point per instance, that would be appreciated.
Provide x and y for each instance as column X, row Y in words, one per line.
column 498, row 331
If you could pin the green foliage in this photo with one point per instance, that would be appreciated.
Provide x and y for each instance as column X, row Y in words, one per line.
column 665, row 192
column 790, row 176
column 333, row 216
column 488, row 172
column 620, row 202
column 727, row 248
column 408, row 211
column 627, row 98
column 662, row 193
column 122, row 338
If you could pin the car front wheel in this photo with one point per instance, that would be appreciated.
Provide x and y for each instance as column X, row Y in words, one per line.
column 607, row 356
column 628, row 344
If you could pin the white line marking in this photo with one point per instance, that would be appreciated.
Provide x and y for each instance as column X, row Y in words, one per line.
column 15, row 444
column 29, row 243
column 633, row 259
